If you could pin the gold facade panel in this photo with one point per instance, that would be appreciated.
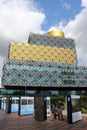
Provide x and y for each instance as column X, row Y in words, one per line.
column 42, row 53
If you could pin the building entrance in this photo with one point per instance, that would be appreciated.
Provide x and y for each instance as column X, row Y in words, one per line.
column 39, row 105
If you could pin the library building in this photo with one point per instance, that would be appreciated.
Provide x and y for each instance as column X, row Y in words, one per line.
column 40, row 73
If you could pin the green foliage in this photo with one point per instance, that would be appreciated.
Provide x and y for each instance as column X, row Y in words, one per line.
column 83, row 102
column 84, row 110
column 55, row 99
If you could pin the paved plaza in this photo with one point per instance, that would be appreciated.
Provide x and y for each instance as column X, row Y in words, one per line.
column 15, row 122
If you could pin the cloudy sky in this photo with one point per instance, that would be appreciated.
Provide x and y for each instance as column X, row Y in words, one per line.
column 20, row 17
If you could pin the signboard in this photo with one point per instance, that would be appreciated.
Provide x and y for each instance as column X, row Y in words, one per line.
column 14, row 104
column 48, row 107
column 26, row 106
column 76, row 108
column 73, row 108
column 0, row 103
column 3, row 103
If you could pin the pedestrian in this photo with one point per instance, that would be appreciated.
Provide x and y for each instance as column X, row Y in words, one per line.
column 54, row 111
column 59, row 110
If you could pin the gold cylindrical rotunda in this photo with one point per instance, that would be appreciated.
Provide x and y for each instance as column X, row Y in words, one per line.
column 56, row 33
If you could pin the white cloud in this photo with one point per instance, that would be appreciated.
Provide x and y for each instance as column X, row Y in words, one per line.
column 2, row 61
column 17, row 19
column 84, row 3
column 65, row 5
column 0, row 82
column 77, row 29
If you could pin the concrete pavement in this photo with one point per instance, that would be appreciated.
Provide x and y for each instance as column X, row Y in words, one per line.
column 15, row 122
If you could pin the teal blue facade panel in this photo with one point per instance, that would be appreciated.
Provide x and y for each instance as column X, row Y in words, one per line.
column 43, row 74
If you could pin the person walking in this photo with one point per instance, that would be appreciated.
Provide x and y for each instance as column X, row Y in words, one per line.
column 59, row 110
column 54, row 110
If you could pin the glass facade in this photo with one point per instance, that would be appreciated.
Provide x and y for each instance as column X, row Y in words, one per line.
column 18, row 92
